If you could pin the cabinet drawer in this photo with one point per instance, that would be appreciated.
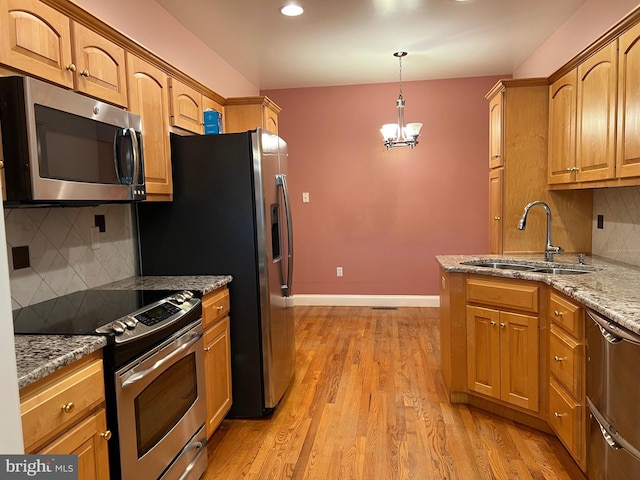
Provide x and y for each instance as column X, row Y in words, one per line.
column 566, row 314
column 215, row 305
column 565, row 417
column 566, row 357
column 59, row 401
column 519, row 296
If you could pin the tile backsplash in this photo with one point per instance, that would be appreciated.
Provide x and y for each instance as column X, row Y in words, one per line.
column 619, row 239
column 60, row 254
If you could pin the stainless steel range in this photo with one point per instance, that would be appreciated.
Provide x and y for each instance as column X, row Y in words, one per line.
column 154, row 373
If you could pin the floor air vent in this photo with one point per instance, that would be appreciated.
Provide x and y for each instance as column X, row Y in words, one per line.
column 384, row 308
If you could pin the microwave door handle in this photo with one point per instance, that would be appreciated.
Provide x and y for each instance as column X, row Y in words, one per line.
column 136, row 156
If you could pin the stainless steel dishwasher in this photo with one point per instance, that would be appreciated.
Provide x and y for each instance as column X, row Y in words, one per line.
column 613, row 398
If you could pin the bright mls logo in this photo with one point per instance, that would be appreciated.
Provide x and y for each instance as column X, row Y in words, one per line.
column 51, row 467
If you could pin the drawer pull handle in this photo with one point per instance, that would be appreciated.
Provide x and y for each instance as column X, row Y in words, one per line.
column 68, row 407
column 557, row 358
column 220, row 307
column 558, row 415
column 557, row 313
column 106, row 435
column 496, row 218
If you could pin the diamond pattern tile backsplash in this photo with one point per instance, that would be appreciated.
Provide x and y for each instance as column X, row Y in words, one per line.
column 619, row 239
column 61, row 257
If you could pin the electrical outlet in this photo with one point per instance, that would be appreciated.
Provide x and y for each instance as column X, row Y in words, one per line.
column 338, row 271
column 305, row 197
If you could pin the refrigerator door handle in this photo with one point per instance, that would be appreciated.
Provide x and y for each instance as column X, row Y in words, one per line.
column 281, row 181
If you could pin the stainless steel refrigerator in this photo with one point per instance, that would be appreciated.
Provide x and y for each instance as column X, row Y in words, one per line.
column 231, row 215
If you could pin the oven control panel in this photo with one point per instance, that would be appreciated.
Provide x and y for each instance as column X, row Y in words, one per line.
column 152, row 317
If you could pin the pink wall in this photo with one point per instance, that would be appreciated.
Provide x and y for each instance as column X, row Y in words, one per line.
column 384, row 215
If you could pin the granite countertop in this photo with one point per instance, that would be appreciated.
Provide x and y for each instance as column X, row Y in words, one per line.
column 612, row 289
column 40, row 355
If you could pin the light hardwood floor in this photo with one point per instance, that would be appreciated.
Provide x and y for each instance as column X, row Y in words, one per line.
column 368, row 402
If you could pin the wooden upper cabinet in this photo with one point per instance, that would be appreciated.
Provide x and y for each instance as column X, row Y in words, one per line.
column 562, row 129
column 628, row 141
column 149, row 98
column 186, row 107
column 596, row 115
column 495, row 130
column 248, row 113
column 36, row 39
column 100, row 66
column 496, row 192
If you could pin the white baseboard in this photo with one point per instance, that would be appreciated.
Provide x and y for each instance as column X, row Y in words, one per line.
column 368, row 300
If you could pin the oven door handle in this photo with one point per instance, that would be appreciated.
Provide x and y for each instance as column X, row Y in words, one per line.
column 194, row 337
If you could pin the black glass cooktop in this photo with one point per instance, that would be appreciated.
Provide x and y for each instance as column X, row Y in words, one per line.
column 80, row 313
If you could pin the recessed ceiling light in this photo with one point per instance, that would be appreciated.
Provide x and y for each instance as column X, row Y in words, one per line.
column 292, row 10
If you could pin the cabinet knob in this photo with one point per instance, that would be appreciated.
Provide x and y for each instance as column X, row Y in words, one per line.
column 207, row 349
column 558, row 415
column 220, row 307
column 557, row 313
column 71, row 67
column 493, row 323
column 106, row 435
column 1, row 164
column 556, row 358
column 84, row 73
column 496, row 218
column 496, row 155
column 68, row 407
column 502, row 325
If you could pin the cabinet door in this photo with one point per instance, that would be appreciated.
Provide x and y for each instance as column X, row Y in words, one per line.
column 595, row 132
column 483, row 351
column 496, row 189
column 87, row 440
column 628, row 151
column 100, row 66
column 36, row 39
column 562, row 129
column 149, row 98
column 217, row 367
column 495, row 131
column 519, row 359
column 186, row 107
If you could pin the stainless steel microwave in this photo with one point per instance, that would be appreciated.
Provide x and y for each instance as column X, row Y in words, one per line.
column 62, row 147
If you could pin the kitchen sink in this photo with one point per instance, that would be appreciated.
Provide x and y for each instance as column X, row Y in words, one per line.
column 528, row 267
column 562, row 271
column 502, row 265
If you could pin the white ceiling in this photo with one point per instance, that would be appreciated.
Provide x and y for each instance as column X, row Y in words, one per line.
column 339, row 42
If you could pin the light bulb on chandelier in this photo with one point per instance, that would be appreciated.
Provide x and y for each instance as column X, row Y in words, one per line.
column 399, row 134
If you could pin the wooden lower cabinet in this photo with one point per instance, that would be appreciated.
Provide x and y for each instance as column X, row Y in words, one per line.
column 567, row 365
column 217, row 356
column 502, row 355
column 217, row 367
column 516, row 348
column 64, row 414
column 87, row 440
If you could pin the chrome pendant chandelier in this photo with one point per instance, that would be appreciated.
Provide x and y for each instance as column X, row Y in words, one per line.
column 399, row 134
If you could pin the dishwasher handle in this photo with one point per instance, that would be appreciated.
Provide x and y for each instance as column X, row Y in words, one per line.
column 611, row 332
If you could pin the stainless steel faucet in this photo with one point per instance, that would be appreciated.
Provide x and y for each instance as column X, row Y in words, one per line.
column 549, row 250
